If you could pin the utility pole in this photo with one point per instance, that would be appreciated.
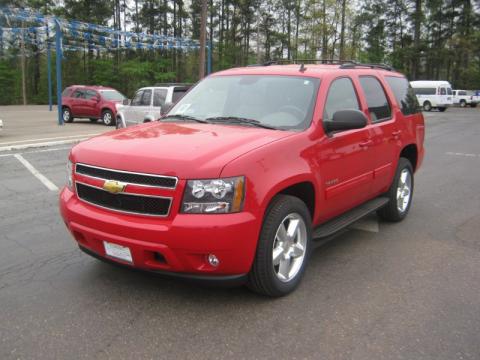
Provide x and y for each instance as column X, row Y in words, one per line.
column 203, row 39
column 22, row 65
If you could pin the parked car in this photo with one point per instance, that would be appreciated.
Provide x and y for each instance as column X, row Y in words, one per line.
column 464, row 98
column 1, row 124
column 91, row 102
column 433, row 94
column 149, row 103
column 249, row 170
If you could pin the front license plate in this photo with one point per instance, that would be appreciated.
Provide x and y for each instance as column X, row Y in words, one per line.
column 118, row 251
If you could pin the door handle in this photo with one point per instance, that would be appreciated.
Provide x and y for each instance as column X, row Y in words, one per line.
column 396, row 134
column 366, row 143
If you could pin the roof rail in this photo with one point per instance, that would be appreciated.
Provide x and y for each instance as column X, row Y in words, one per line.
column 172, row 84
column 353, row 65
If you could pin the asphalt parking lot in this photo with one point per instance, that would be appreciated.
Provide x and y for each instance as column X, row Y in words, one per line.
column 378, row 291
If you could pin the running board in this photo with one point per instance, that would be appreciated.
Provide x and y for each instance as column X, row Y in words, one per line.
column 341, row 222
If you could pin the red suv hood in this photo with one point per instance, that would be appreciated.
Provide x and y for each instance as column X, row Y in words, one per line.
column 184, row 150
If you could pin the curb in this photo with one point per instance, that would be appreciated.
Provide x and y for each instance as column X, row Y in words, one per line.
column 41, row 144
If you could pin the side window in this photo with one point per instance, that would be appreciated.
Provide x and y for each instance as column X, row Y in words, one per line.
column 146, row 98
column 341, row 96
column 377, row 102
column 404, row 94
column 137, row 99
column 178, row 94
column 90, row 95
column 443, row 91
column 79, row 94
column 462, row 93
column 159, row 97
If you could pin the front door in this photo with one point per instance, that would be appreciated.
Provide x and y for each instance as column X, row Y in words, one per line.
column 345, row 158
column 78, row 102
column 91, row 104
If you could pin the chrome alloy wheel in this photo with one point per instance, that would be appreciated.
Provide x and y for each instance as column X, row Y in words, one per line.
column 66, row 115
column 107, row 118
column 404, row 190
column 289, row 247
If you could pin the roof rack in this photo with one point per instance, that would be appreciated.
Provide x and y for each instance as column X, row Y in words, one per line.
column 171, row 84
column 344, row 64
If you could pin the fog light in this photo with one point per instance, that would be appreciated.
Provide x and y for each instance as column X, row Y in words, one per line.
column 213, row 260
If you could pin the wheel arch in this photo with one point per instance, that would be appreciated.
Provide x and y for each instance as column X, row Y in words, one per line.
column 410, row 152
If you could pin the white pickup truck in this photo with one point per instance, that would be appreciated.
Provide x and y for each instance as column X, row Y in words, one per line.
column 149, row 103
column 464, row 98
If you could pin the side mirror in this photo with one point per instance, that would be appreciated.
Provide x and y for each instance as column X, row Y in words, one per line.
column 346, row 120
column 126, row 101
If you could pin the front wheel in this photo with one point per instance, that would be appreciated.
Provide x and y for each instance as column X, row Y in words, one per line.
column 400, row 193
column 463, row 103
column 427, row 106
column 283, row 247
column 107, row 118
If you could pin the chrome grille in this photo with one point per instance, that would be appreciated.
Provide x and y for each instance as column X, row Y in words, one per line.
column 129, row 203
column 167, row 182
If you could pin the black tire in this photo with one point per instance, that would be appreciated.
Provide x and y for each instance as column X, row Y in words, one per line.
column 442, row 109
column 473, row 105
column 262, row 277
column 427, row 106
column 93, row 120
column 107, row 118
column 67, row 115
column 463, row 103
column 391, row 212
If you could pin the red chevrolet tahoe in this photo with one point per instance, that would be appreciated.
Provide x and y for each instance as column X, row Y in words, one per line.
column 247, row 172
column 91, row 102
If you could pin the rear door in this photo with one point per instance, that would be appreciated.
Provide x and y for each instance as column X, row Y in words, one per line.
column 384, row 131
column 159, row 100
column 132, row 112
column 91, row 104
column 346, row 157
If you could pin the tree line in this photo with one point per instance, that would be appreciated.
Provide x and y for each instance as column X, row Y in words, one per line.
column 425, row 39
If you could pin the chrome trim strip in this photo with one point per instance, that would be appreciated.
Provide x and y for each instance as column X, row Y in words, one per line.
column 124, row 211
column 129, row 172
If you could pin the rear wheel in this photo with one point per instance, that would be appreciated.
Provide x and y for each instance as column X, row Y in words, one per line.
column 400, row 193
column 283, row 247
column 427, row 106
column 67, row 115
column 442, row 109
column 107, row 118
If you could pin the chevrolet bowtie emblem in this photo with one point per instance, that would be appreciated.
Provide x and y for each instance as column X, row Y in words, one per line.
column 114, row 187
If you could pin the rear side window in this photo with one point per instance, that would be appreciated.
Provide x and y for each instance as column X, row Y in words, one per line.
column 404, row 94
column 341, row 96
column 425, row 91
column 159, row 97
column 66, row 92
column 79, row 94
column 377, row 102
column 462, row 93
column 146, row 98
column 137, row 100
column 443, row 91
column 90, row 94
column 178, row 94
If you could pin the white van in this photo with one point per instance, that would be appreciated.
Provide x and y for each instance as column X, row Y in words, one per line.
column 433, row 94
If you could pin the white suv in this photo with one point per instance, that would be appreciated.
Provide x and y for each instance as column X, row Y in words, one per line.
column 464, row 98
column 149, row 103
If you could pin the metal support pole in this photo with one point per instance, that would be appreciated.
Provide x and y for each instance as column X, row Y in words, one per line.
column 58, row 50
column 209, row 59
column 49, row 72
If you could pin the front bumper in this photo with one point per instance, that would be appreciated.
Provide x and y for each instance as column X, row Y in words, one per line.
column 179, row 246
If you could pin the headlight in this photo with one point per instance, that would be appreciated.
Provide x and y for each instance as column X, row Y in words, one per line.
column 214, row 196
column 69, row 174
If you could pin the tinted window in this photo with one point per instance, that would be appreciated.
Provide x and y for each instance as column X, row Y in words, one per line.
column 178, row 94
column 66, row 92
column 283, row 102
column 377, row 102
column 112, row 95
column 425, row 91
column 463, row 92
column 449, row 91
column 341, row 96
column 159, row 97
column 90, row 94
column 146, row 98
column 443, row 91
column 137, row 99
column 406, row 99
column 79, row 94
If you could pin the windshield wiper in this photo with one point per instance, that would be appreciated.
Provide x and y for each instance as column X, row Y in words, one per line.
column 240, row 120
column 184, row 117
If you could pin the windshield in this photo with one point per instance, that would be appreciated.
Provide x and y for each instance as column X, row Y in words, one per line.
column 112, row 95
column 281, row 102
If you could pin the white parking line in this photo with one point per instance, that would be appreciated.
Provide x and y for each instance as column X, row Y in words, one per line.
column 46, row 139
column 462, row 154
column 37, row 151
column 42, row 144
column 50, row 185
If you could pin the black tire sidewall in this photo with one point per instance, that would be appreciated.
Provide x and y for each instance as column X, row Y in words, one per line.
column 281, row 206
column 70, row 118
column 427, row 106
